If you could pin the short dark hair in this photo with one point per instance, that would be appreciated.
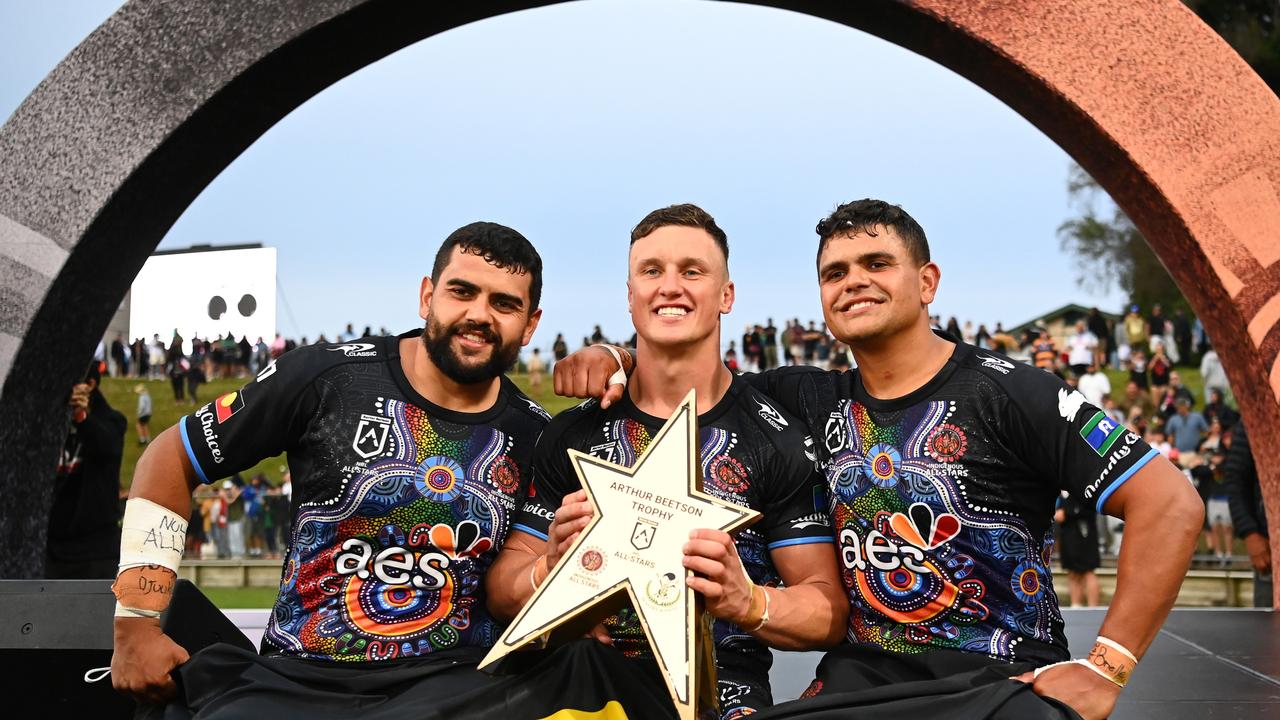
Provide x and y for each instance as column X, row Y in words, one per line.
column 501, row 247
column 684, row 215
column 862, row 216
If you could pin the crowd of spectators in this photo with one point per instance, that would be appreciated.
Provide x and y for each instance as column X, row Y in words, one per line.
column 237, row 519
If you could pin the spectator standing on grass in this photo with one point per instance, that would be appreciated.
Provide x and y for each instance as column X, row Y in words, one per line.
column 1217, row 409
column 770, row 345
column 1094, row 384
column 1186, row 429
column 1212, row 374
column 144, row 413
column 1043, row 353
column 1160, row 370
column 1078, row 526
column 1081, row 347
column 1097, row 325
column 1182, row 336
column 1248, row 515
column 255, row 507
column 1167, row 404
column 560, row 348
column 1135, row 329
column 537, row 367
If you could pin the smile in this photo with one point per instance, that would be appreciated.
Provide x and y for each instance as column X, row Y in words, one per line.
column 672, row 312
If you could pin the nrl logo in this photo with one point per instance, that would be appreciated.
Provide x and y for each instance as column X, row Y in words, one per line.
column 371, row 436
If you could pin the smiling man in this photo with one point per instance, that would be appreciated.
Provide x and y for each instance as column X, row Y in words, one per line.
column 777, row 584
column 943, row 463
column 408, row 456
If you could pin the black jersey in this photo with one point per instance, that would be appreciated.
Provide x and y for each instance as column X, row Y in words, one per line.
column 943, row 500
column 751, row 454
column 400, row 505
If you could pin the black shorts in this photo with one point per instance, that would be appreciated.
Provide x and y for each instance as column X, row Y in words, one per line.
column 1080, row 545
column 144, row 419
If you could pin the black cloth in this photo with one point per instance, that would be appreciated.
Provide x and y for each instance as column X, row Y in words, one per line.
column 1079, row 536
column 751, row 454
column 870, row 683
column 401, row 505
column 943, row 500
column 84, row 520
column 223, row 681
column 1244, row 494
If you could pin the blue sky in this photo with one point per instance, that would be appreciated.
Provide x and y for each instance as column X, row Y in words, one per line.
column 570, row 123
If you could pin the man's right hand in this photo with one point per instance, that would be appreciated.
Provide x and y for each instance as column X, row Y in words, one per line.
column 142, row 660
column 584, row 374
column 1259, row 552
column 573, row 514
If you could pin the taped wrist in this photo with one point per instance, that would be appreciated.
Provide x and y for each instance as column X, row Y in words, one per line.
column 152, row 538
column 619, row 377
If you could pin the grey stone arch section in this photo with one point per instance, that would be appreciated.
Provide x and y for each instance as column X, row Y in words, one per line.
column 119, row 139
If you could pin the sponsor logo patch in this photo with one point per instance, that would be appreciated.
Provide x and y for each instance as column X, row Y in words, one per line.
column 354, row 349
column 228, row 405
column 771, row 415
column 1001, row 366
column 1069, row 402
column 1101, row 432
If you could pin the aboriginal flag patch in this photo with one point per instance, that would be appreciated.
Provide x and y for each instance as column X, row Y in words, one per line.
column 228, row 405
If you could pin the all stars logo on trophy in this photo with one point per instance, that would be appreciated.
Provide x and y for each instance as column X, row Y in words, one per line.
column 625, row 550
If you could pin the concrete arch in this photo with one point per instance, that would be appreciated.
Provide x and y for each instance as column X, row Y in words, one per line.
column 102, row 158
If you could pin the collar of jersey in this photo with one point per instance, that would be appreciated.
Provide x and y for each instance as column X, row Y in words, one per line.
column 706, row 419
column 961, row 352
column 391, row 347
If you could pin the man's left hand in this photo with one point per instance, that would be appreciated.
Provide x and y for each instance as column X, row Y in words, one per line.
column 1087, row 692
column 720, row 576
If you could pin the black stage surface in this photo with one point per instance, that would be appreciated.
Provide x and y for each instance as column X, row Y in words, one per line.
column 1206, row 663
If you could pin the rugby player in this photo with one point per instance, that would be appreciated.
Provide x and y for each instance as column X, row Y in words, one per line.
column 408, row 456
column 752, row 454
column 943, row 462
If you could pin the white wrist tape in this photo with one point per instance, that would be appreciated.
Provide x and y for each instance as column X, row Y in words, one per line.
column 151, row 535
column 1118, row 648
column 619, row 377
column 126, row 612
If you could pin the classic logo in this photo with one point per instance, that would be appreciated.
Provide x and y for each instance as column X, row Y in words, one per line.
column 228, row 405
column 642, row 534
column 537, row 409
column 354, row 349
column 371, row 436
column 1069, row 402
column 1001, row 366
column 663, row 590
column 771, row 415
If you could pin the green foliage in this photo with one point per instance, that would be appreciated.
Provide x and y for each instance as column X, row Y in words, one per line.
column 1110, row 252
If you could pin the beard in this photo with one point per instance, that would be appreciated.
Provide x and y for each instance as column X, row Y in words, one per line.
column 438, row 341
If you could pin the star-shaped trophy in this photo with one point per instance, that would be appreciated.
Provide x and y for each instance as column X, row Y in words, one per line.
column 633, row 543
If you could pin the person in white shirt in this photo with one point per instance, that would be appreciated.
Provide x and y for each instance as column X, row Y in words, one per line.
column 1080, row 348
column 1094, row 385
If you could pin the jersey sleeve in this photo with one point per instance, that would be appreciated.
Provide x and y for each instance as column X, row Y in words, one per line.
column 795, row 501
column 552, row 478
column 260, row 420
column 795, row 388
column 1068, row 440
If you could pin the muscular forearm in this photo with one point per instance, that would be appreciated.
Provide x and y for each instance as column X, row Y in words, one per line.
column 1159, row 540
column 804, row 617
column 508, row 584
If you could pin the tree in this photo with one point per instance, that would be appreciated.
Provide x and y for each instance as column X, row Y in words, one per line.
column 1110, row 252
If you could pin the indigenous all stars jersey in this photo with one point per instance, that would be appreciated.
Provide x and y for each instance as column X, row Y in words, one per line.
column 400, row 505
column 943, row 500
column 751, row 454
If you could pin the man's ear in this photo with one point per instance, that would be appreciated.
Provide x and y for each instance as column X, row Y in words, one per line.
column 424, row 297
column 530, row 326
column 930, row 277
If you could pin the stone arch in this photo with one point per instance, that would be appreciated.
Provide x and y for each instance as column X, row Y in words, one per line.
column 102, row 158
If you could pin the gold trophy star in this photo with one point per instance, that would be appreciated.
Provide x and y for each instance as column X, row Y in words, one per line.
column 634, row 543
